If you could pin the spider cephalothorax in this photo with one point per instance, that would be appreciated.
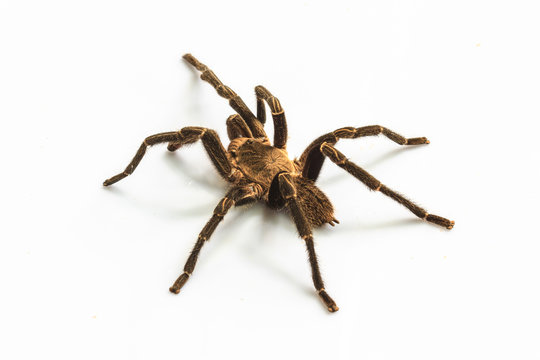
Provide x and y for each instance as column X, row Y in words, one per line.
column 259, row 171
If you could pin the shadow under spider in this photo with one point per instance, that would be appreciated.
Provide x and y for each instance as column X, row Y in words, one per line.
column 193, row 107
column 355, row 225
column 269, row 220
column 377, row 161
column 192, row 209
column 211, row 182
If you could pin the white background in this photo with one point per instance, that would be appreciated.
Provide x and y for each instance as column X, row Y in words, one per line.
column 85, row 270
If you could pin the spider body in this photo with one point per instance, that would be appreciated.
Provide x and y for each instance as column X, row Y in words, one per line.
column 261, row 171
column 259, row 162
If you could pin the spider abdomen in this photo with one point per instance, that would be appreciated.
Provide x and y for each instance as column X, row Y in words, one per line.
column 316, row 206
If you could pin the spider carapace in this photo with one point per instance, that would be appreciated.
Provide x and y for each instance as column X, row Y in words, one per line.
column 260, row 171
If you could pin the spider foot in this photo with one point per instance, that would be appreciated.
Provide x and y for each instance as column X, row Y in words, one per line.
column 438, row 220
column 182, row 279
column 328, row 301
column 417, row 141
column 114, row 179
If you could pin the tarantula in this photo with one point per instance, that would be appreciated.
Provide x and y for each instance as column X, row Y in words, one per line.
column 259, row 171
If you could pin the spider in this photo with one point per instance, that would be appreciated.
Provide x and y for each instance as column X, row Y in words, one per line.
column 260, row 171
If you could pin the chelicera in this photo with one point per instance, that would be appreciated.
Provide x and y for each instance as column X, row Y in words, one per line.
column 260, row 171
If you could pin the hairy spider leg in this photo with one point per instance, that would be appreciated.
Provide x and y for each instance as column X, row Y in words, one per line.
column 237, row 127
column 187, row 135
column 237, row 196
column 261, row 111
column 312, row 159
column 288, row 192
column 224, row 91
column 278, row 114
column 219, row 212
column 371, row 182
